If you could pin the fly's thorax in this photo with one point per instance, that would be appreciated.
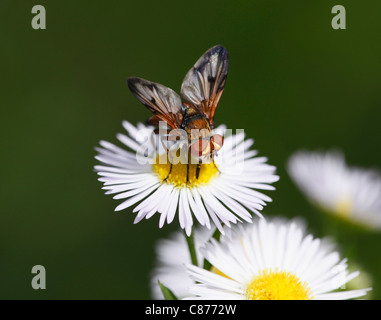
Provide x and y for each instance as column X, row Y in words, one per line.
column 199, row 134
column 194, row 121
column 202, row 142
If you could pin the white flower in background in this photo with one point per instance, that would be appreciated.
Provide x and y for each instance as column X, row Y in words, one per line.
column 272, row 261
column 349, row 192
column 172, row 255
column 225, row 191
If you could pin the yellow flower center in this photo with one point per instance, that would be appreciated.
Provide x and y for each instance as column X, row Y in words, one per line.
column 178, row 174
column 344, row 206
column 277, row 285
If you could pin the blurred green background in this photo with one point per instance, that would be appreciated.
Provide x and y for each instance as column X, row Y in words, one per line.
column 294, row 82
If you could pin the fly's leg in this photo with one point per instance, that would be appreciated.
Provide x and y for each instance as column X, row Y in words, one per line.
column 187, row 172
column 170, row 168
column 198, row 168
column 169, row 173
column 216, row 167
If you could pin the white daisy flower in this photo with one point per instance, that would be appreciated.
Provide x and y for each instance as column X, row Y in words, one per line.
column 348, row 192
column 172, row 255
column 225, row 191
column 272, row 261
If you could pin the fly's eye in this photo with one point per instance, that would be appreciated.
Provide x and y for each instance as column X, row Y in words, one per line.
column 217, row 141
column 199, row 148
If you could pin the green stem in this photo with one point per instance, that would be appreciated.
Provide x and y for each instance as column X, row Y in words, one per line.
column 192, row 249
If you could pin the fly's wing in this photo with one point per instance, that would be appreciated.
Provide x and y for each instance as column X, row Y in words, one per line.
column 204, row 83
column 163, row 102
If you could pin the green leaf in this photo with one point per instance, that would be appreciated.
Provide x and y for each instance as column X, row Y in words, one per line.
column 167, row 293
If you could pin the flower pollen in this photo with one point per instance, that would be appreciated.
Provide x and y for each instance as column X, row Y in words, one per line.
column 178, row 175
column 277, row 285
